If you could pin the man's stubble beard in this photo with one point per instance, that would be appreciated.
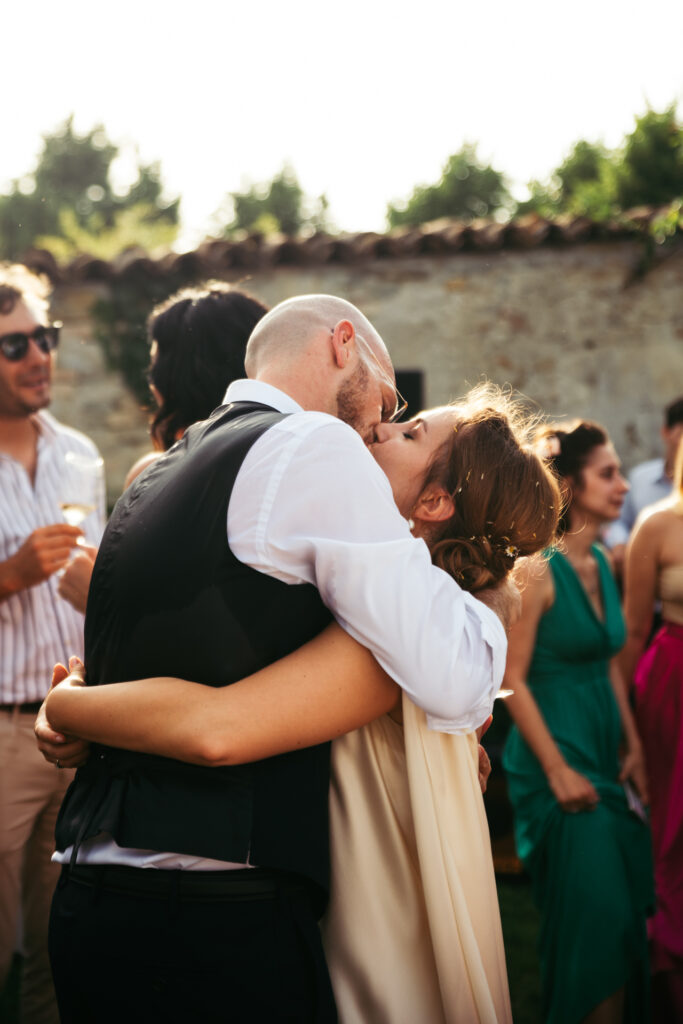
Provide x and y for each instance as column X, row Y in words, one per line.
column 351, row 399
column 12, row 406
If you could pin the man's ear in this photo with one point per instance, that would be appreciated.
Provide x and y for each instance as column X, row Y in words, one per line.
column 343, row 343
column 434, row 505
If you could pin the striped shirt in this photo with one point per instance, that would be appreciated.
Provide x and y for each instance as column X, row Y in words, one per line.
column 37, row 626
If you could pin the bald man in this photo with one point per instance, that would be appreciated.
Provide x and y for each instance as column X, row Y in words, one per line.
column 224, row 925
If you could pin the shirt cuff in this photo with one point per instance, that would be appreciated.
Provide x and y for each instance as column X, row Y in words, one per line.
column 494, row 636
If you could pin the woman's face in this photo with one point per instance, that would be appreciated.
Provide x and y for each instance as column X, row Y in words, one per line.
column 602, row 489
column 405, row 451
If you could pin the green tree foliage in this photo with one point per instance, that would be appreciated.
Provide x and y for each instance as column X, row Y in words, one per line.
column 600, row 183
column 467, row 189
column 651, row 170
column 584, row 183
column 68, row 203
column 279, row 205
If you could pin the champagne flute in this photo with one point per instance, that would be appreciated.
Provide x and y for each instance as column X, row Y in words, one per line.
column 81, row 487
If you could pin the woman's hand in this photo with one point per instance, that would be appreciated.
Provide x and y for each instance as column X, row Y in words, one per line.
column 484, row 768
column 60, row 750
column 573, row 791
column 633, row 768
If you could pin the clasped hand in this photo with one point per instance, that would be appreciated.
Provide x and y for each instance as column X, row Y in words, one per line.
column 573, row 791
column 60, row 750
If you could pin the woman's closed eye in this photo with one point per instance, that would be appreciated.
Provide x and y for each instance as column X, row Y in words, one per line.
column 413, row 429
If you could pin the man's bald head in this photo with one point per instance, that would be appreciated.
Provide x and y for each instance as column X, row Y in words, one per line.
column 284, row 334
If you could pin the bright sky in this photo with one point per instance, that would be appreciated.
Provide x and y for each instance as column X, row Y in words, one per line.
column 365, row 98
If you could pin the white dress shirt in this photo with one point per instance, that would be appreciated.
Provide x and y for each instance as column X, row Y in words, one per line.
column 310, row 505
column 37, row 626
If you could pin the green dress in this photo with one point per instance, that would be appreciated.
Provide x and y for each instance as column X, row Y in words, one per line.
column 591, row 871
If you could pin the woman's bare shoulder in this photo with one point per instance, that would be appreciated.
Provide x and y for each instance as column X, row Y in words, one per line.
column 656, row 519
column 143, row 462
column 535, row 580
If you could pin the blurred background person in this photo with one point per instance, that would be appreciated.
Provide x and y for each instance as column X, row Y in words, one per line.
column 649, row 482
column 587, row 853
column 35, row 624
column 197, row 342
column 654, row 569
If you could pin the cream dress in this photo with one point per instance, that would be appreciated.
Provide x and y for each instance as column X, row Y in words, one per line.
column 412, row 933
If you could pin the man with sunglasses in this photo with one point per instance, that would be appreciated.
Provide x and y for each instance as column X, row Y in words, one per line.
column 37, row 627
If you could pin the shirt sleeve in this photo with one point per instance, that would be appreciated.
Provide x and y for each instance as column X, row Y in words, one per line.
column 310, row 505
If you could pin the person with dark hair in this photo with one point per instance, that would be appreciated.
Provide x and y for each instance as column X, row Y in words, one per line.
column 579, row 832
column 649, row 482
column 406, row 807
column 198, row 338
column 35, row 624
column 654, row 570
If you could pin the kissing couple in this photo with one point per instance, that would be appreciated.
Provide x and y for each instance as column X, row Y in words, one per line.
column 297, row 569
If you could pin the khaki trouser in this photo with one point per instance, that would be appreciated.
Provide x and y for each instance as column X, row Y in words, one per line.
column 31, row 792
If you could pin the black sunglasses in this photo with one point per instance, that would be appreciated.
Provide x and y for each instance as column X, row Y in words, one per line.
column 15, row 346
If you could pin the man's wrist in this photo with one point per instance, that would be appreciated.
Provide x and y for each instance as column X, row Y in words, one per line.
column 10, row 581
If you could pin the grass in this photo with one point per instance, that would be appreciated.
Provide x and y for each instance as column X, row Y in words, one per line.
column 9, row 996
column 520, row 930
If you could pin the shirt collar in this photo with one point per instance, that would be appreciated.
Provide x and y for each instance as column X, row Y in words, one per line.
column 264, row 394
column 46, row 425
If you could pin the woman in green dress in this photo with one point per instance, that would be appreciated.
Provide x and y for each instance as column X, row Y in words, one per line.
column 579, row 821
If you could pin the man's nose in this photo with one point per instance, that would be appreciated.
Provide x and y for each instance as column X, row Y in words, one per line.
column 385, row 431
column 35, row 354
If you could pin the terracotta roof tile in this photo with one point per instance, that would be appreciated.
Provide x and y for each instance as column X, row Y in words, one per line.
column 487, row 234
column 527, row 231
column 251, row 252
column 43, row 262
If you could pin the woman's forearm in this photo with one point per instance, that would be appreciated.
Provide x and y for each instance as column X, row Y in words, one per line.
column 326, row 688
column 628, row 723
column 628, row 656
column 531, row 724
column 640, row 591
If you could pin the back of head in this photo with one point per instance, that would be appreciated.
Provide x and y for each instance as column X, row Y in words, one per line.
column 201, row 337
column 673, row 413
column 567, row 448
column 506, row 501
column 287, row 331
column 19, row 284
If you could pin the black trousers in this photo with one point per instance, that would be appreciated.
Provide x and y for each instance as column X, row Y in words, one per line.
column 122, row 955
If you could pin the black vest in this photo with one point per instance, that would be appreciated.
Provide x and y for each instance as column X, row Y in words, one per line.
column 168, row 597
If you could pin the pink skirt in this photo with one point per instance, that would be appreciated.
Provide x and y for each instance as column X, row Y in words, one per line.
column 659, row 712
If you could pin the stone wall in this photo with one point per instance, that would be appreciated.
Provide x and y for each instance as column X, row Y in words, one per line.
column 561, row 324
